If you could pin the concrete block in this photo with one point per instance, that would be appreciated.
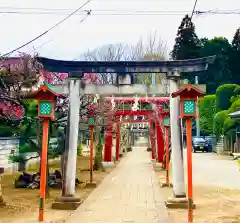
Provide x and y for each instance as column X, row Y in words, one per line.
column 129, row 149
column 158, row 167
column 91, row 185
column 67, row 203
column 107, row 164
column 178, row 203
column 163, row 185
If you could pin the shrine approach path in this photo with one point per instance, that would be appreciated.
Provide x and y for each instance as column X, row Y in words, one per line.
column 130, row 193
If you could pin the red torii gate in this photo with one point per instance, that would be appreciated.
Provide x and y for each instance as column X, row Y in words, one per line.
column 151, row 135
column 140, row 99
column 119, row 113
column 132, row 121
column 131, row 113
column 108, row 136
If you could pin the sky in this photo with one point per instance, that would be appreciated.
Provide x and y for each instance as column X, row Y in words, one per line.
column 73, row 37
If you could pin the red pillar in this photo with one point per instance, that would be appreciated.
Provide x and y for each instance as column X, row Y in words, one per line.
column 160, row 142
column 151, row 135
column 117, row 141
column 108, row 143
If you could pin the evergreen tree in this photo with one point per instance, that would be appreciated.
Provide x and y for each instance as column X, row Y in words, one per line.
column 187, row 45
column 236, row 40
column 235, row 57
column 219, row 72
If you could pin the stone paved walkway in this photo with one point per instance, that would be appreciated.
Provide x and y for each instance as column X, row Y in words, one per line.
column 129, row 194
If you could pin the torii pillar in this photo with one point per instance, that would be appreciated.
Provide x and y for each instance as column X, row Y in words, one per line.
column 151, row 136
column 74, row 104
column 68, row 199
column 179, row 199
column 108, row 144
column 160, row 143
column 118, row 137
column 176, row 141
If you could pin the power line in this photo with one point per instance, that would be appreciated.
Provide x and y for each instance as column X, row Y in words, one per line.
column 124, row 12
column 49, row 41
column 96, row 10
column 27, row 8
column 196, row 77
column 99, row 14
column 44, row 33
column 56, row 10
column 217, row 12
column 194, row 7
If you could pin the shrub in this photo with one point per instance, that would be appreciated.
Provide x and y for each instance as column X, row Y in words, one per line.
column 79, row 150
column 224, row 93
column 235, row 106
column 228, row 125
column 218, row 122
column 207, row 111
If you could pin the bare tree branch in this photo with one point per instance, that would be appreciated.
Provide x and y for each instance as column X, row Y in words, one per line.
column 154, row 48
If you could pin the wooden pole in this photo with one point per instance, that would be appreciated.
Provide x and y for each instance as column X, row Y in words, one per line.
column 117, row 142
column 91, row 153
column 43, row 178
column 152, row 139
column 167, row 153
column 189, row 168
column 108, row 143
column 160, row 143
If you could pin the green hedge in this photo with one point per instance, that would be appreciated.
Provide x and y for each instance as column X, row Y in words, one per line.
column 218, row 122
column 207, row 111
column 224, row 93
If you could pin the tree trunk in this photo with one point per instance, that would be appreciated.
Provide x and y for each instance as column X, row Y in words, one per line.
column 1, row 197
column 22, row 166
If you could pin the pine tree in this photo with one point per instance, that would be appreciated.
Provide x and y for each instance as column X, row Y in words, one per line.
column 187, row 44
column 235, row 57
column 236, row 40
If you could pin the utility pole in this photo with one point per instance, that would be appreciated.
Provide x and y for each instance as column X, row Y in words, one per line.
column 197, row 119
column 153, row 78
column 196, row 79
